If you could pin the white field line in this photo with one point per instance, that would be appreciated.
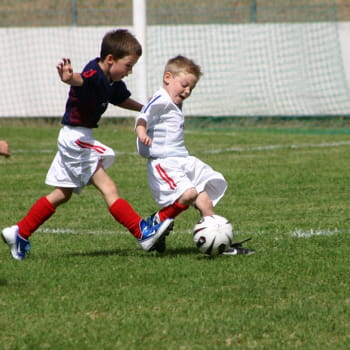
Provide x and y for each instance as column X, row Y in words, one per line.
column 26, row 151
column 296, row 232
column 299, row 233
column 227, row 150
column 311, row 233
column 74, row 232
column 277, row 147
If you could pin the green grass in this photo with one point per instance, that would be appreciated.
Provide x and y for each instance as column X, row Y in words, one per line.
column 87, row 284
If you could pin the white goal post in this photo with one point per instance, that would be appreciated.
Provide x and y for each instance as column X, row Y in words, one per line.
column 140, row 29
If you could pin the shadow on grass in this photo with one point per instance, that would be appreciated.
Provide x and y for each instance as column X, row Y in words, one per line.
column 132, row 252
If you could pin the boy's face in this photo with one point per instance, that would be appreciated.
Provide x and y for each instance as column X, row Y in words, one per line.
column 179, row 86
column 116, row 70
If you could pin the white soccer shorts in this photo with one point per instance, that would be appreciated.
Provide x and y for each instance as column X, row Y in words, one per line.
column 77, row 158
column 170, row 177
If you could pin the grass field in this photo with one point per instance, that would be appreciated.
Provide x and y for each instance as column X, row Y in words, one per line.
column 88, row 285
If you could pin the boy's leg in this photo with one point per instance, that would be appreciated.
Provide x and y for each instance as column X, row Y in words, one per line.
column 42, row 211
column 171, row 211
column 180, row 205
column 16, row 236
column 147, row 235
column 36, row 216
column 122, row 211
column 204, row 204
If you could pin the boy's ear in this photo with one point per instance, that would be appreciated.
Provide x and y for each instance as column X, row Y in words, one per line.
column 109, row 59
column 167, row 77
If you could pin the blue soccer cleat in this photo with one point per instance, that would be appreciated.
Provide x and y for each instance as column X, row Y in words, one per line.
column 19, row 246
column 160, row 246
column 151, row 233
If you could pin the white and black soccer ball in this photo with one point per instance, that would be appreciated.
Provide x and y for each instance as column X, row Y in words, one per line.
column 213, row 234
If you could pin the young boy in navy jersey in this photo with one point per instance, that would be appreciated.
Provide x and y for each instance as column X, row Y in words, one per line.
column 82, row 160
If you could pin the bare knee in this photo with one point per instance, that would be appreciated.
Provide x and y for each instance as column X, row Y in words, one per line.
column 59, row 196
column 105, row 185
column 188, row 197
column 204, row 204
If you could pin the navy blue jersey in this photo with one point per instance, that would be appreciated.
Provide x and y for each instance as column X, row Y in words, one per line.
column 87, row 103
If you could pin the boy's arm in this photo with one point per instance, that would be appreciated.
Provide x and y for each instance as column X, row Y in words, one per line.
column 141, row 133
column 131, row 104
column 65, row 71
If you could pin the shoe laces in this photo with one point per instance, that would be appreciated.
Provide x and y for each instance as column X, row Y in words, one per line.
column 148, row 229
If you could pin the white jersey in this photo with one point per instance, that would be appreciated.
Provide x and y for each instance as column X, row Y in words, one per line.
column 165, row 126
column 171, row 170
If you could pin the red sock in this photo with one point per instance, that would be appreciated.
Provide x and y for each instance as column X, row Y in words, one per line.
column 171, row 211
column 35, row 217
column 126, row 215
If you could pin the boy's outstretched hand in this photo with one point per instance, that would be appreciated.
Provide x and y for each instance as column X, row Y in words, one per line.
column 65, row 71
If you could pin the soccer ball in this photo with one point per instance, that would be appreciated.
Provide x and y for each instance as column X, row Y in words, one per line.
column 213, row 234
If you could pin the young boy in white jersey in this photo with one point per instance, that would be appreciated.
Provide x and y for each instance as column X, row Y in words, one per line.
column 177, row 180
column 81, row 160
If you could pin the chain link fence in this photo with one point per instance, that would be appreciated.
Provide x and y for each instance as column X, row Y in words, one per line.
column 28, row 13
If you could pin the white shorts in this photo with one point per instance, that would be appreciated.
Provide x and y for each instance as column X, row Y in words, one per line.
column 170, row 177
column 77, row 158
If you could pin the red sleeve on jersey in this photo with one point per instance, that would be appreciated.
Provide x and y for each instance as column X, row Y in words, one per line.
column 89, row 73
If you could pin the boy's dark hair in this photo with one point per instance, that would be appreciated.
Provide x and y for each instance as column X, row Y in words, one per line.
column 120, row 43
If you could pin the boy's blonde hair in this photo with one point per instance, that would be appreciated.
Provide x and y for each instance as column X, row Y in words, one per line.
column 182, row 64
column 120, row 43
